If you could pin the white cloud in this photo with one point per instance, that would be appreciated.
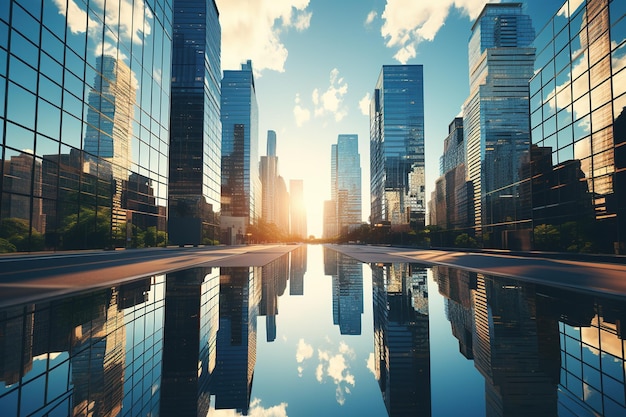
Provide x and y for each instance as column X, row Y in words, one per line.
column 337, row 367
column 407, row 23
column 256, row 410
column 303, row 351
column 77, row 19
column 253, row 29
column 371, row 365
column 300, row 113
column 132, row 19
column 370, row 17
column 364, row 104
column 331, row 100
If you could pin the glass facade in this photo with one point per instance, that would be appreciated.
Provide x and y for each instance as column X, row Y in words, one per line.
column 397, row 146
column 84, row 120
column 495, row 119
column 241, row 185
column 196, row 132
column 345, row 179
column 578, row 97
column 450, row 207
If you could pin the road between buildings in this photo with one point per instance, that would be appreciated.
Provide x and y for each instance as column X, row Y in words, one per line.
column 25, row 278
column 599, row 277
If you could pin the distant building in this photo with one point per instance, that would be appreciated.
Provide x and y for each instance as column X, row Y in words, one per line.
column 241, row 185
column 495, row 120
column 273, row 188
column 450, row 206
column 297, row 212
column 196, row 136
column 345, row 188
column 578, row 122
column 397, row 179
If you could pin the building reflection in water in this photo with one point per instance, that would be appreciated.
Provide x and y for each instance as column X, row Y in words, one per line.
column 298, row 260
column 189, row 340
column 401, row 341
column 347, row 274
column 185, row 343
column 240, row 293
column 75, row 356
column 542, row 351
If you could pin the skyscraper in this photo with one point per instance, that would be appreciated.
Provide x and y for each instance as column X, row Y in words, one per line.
column 241, row 185
column 450, row 207
column 269, row 181
column 86, row 109
column 578, row 122
column 345, row 189
column 196, row 136
column 397, row 147
column 495, row 119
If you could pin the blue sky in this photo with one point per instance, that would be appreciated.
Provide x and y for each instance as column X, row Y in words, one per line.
column 317, row 62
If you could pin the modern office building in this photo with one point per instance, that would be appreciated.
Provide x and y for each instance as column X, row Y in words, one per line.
column 85, row 113
column 345, row 187
column 495, row 120
column 241, row 185
column 397, row 147
column 578, row 121
column 297, row 210
column 450, row 208
column 275, row 203
column 196, row 134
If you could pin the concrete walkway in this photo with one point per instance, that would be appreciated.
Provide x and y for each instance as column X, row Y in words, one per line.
column 604, row 278
column 25, row 278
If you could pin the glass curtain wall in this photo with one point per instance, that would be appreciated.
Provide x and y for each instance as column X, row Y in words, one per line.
column 84, row 119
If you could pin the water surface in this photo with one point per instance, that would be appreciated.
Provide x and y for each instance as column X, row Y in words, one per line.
column 315, row 333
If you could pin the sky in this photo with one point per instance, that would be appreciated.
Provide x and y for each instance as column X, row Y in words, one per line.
column 316, row 63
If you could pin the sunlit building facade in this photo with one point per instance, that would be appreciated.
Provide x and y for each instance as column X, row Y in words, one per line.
column 84, row 118
column 241, row 184
column 345, row 187
column 397, row 147
column 495, row 120
column 578, row 122
column 196, row 133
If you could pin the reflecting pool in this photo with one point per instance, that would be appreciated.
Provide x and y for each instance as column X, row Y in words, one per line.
column 315, row 333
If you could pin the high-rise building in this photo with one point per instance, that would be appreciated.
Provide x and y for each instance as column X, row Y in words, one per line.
column 578, row 122
column 273, row 188
column 297, row 210
column 397, row 147
column 495, row 120
column 88, row 115
column 241, row 185
column 196, row 135
column 345, row 187
column 449, row 206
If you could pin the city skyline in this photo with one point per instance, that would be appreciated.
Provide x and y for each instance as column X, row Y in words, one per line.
column 327, row 59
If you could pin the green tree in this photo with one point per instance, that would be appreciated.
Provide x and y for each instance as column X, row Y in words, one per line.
column 6, row 246
column 547, row 237
column 465, row 241
column 88, row 229
column 17, row 233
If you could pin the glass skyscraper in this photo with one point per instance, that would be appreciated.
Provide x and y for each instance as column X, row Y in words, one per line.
column 241, row 185
column 397, row 147
column 345, row 179
column 578, row 121
column 495, row 119
column 196, row 133
column 84, row 124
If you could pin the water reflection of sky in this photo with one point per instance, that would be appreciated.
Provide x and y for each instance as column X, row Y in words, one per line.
column 315, row 333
